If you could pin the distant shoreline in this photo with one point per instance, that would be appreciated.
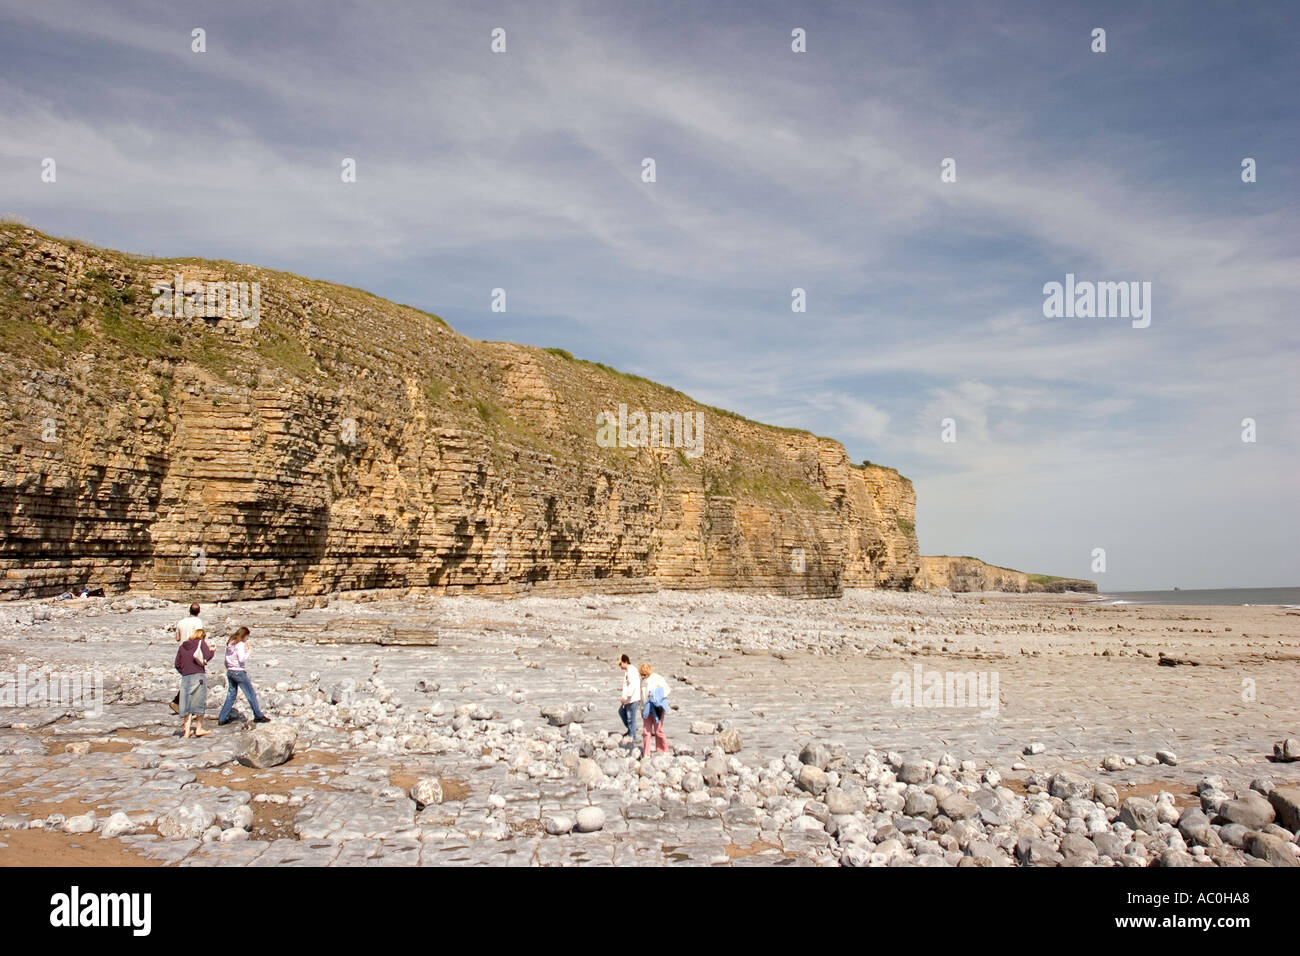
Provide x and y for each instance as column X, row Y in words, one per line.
column 1238, row 597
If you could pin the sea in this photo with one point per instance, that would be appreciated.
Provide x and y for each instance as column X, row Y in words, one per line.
column 1244, row 597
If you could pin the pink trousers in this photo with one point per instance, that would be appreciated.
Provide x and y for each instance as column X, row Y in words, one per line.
column 653, row 730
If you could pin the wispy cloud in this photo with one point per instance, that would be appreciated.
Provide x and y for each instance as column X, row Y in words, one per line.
column 775, row 171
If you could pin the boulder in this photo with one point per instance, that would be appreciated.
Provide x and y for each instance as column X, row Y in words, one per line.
column 85, row 823
column 238, row 817
column 268, row 745
column 1284, row 751
column 1031, row 851
column 993, row 810
column 426, row 792
column 1252, row 812
column 1139, row 814
column 590, row 819
column 1212, row 801
column 559, row 824
column 1212, row 782
column 843, row 802
column 1108, row 844
column 715, row 770
column 918, row 803
column 588, row 772
column 1286, row 805
column 189, row 821
column 1234, row 834
column 728, row 741
column 1106, row 795
column 956, row 807
column 1078, row 850
column 1067, row 784
column 815, row 754
column 560, row 715
column 811, row 779
column 1194, row 825
column 1270, row 849
column 916, row 771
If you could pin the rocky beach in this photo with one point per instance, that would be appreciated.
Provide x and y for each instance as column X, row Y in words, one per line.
column 882, row 728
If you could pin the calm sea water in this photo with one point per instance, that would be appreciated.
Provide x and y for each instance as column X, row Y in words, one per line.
column 1253, row 596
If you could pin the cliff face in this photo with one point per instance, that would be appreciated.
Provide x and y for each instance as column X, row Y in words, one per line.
column 336, row 441
column 971, row 574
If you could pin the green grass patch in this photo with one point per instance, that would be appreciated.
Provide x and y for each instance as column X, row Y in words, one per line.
column 287, row 353
column 434, row 389
column 1043, row 578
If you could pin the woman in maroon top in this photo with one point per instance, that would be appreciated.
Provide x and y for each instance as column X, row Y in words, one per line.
column 192, row 664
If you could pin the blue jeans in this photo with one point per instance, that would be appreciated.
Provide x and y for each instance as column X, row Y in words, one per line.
column 627, row 713
column 235, row 681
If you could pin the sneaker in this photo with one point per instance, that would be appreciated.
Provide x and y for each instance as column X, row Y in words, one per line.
column 261, row 720
column 222, row 723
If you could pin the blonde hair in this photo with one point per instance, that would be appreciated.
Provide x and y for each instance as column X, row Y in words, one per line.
column 239, row 636
column 645, row 670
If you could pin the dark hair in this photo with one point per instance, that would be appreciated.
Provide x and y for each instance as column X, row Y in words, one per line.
column 625, row 659
column 194, row 609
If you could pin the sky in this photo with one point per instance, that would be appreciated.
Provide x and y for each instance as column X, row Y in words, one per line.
column 774, row 170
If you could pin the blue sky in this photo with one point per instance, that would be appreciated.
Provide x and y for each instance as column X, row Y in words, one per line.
column 775, row 170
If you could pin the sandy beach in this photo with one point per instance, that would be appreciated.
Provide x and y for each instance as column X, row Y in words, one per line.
column 869, row 679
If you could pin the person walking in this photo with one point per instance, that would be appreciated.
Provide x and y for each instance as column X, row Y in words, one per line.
column 237, row 678
column 630, row 702
column 192, row 659
column 654, row 704
column 183, row 631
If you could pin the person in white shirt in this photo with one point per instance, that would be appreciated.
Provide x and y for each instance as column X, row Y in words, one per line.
column 654, row 703
column 630, row 702
column 184, row 630
column 186, row 626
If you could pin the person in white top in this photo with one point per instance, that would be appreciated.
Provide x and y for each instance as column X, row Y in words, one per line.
column 654, row 703
column 186, row 626
column 183, row 631
column 630, row 702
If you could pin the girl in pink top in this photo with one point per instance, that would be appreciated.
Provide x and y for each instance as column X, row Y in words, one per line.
column 237, row 678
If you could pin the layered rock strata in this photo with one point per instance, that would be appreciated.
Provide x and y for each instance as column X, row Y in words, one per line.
column 971, row 574
column 336, row 441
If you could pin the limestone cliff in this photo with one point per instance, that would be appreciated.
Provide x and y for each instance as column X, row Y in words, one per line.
column 336, row 441
column 972, row 574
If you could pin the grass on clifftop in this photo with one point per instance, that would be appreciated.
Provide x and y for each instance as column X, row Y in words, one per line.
column 642, row 380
